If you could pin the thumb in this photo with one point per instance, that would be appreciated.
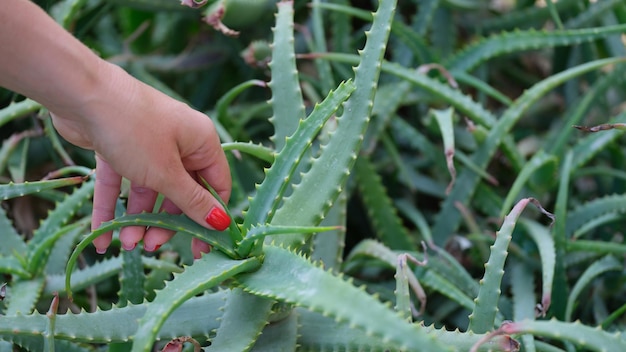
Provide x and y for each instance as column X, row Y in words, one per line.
column 198, row 203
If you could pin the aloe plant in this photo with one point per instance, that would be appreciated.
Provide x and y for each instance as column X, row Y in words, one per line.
column 343, row 163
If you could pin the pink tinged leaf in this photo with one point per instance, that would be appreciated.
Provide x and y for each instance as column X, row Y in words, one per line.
column 214, row 19
column 54, row 306
column 502, row 334
column 177, row 344
column 193, row 3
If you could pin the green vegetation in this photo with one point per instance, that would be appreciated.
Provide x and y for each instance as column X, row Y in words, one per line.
column 383, row 155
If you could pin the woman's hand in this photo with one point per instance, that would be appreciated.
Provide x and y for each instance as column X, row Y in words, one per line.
column 158, row 143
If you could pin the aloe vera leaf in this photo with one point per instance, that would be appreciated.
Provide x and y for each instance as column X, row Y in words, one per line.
column 595, row 246
column 62, row 213
column 424, row 16
column 287, row 277
column 270, row 192
column 532, row 15
column 17, row 110
column 616, row 314
column 17, row 161
column 404, row 276
column 280, row 336
column 12, row 242
column 39, row 254
column 554, row 13
column 56, row 255
column 560, row 286
column 179, row 223
column 245, row 316
column 206, row 272
column 387, row 100
column 522, row 287
column 444, row 120
column 461, row 102
column 545, row 244
column 443, row 272
column 13, row 266
column 448, row 218
column 132, row 278
column 483, row 316
column 328, row 248
column 13, row 190
column 595, row 223
column 286, row 100
column 402, row 292
column 319, row 45
column 556, row 141
column 412, row 213
column 592, row 13
column 99, row 271
column 404, row 173
column 608, row 263
column 221, row 106
column 324, row 181
column 54, row 139
column 584, row 336
column 481, row 86
column 537, row 161
column 326, row 334
column 22, row 295
column 259, row 151
column 35, row 343
column 48, row 333
column 486, row 49
column 119, row 324
column 404, row 33
column 261, row 231
column 382, row 213
column 593, row 144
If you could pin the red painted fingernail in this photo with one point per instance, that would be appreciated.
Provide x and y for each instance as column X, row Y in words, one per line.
column 152, row 249
column 218, row 219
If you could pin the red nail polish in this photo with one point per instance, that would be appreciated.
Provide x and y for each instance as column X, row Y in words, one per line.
column 152, row 249
column 218, row 219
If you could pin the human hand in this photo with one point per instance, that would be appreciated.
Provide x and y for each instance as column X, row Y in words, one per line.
column 160, row 145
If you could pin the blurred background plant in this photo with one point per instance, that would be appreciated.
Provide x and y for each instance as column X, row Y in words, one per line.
column 474, row 110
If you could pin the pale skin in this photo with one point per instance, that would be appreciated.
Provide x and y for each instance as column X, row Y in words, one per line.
column 160, row 144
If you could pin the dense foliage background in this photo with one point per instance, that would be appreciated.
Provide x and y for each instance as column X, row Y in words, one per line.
column 474, row 110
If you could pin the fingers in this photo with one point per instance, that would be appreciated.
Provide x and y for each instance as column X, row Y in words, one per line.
column 107, row 189
column 155, row 237
column 140, row 199
column 198, row 247
column 198, row 203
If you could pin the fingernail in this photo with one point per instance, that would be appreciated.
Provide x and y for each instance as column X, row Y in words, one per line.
column 101, row 250
column 128, row 247
column 218, row 219
column 151, row 248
